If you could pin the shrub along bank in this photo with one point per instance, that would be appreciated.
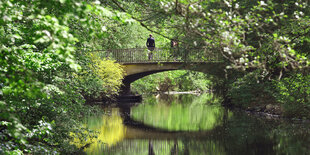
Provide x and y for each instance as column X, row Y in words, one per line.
column 288, row 97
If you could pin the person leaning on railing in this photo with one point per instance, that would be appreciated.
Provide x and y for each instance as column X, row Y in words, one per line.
column 150, row 43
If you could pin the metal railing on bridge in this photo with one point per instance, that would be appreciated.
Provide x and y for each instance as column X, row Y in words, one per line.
column 142, row 55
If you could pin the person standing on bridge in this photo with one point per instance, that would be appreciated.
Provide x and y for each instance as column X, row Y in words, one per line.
column 150, row 43
column 174, row 49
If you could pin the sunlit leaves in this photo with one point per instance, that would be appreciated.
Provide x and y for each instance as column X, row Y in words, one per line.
column 109, row 72
column 37, row 46
column 294, row 94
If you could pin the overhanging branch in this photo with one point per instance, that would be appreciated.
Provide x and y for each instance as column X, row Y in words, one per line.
column 141, row 23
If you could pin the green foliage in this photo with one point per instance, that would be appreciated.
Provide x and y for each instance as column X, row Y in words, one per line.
column 249, row 90
column 99, row 78
column 291, row 93
column 130, row 35
column 40, row 103
column 110, row 73
column 259, row 35
column 179, row 80
column 294, row 93
column 291, row 138
column 46, row 77
column 269, row 37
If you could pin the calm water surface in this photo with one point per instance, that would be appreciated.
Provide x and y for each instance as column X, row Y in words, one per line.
column 192, row 125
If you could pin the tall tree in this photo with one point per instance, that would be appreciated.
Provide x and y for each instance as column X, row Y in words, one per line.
column 272, row 36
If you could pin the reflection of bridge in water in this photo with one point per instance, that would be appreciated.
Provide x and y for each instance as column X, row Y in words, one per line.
column 136, row 63
column 204, row 143
column 143, row 139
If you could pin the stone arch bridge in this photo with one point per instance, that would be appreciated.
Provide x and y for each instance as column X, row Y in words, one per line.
column 137, row 62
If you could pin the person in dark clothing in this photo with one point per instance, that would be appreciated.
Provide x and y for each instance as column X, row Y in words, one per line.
column 150, row 43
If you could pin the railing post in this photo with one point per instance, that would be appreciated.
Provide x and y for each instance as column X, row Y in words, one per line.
column 131, row 54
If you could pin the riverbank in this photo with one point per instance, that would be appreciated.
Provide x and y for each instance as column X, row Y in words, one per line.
column 288, row 97
column 269, row 110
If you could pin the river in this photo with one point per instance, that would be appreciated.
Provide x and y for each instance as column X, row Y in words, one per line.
column 192, row 125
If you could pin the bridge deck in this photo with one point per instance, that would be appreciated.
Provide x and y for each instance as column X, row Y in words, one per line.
column 142, row 55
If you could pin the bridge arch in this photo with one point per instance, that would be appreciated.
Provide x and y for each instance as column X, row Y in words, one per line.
column 140, row 70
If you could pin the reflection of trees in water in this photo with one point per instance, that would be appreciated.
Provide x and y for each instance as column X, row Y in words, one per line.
column 165, row 98
column 242, row 134
column 110, row 129
column 206, row 98
column 239, row 135
column 177, row 98
column 177, row 117
column 292, row 138
column 166, row 147
column 236, row 134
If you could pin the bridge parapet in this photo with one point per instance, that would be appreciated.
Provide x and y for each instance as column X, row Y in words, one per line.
column 141, row 55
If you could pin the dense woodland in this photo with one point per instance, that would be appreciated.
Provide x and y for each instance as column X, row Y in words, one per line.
column 48, row 72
